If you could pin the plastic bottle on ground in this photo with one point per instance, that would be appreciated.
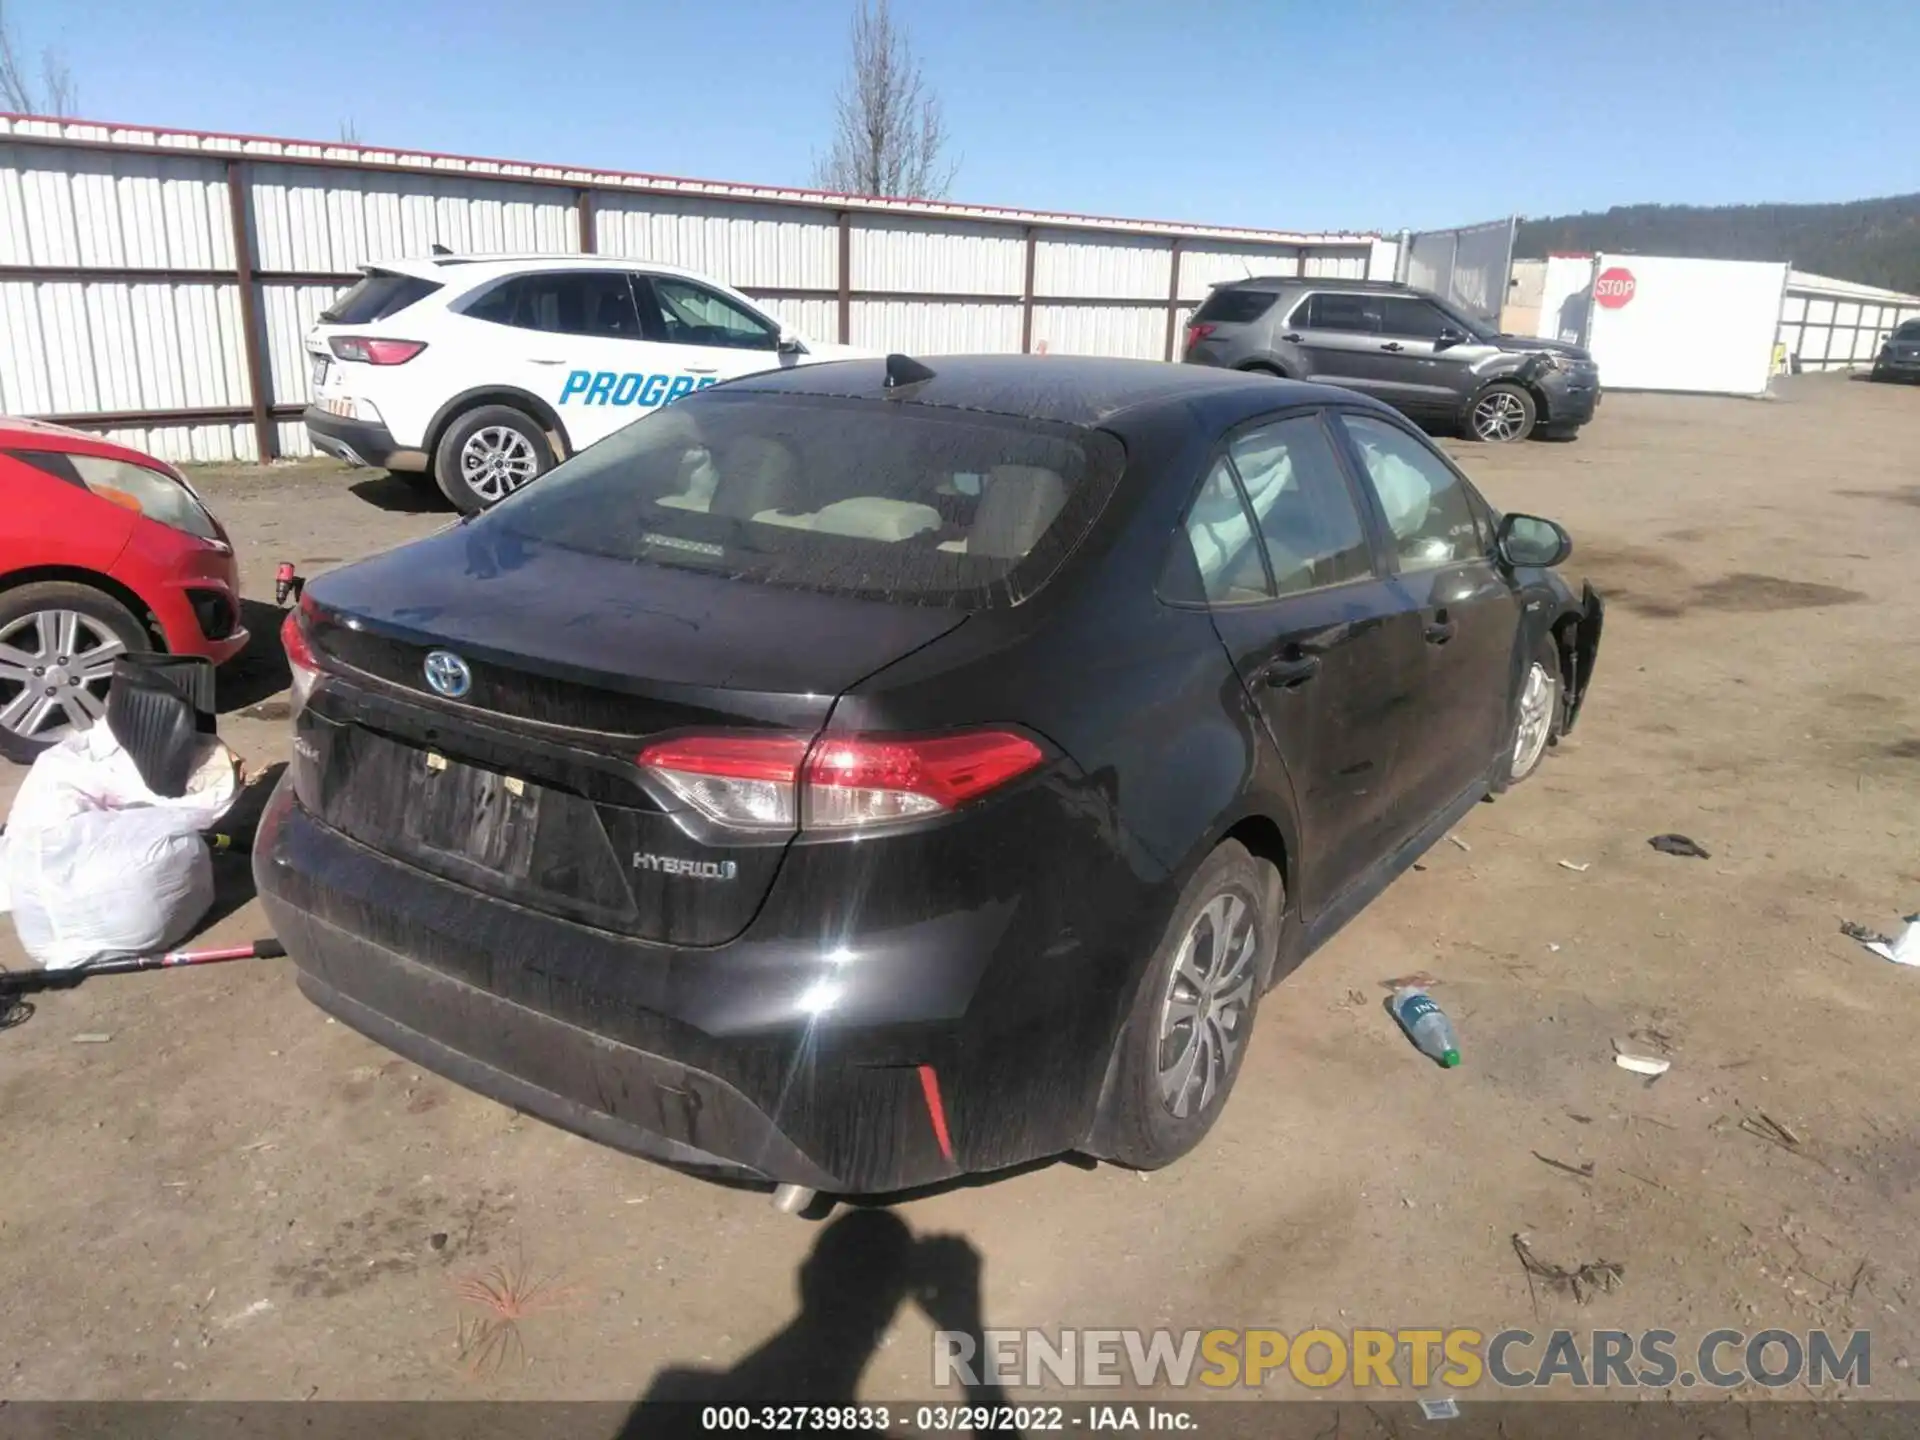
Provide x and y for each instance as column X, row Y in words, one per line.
column 1426, row 1025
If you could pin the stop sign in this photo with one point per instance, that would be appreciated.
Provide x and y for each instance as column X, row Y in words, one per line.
column 1615, row 287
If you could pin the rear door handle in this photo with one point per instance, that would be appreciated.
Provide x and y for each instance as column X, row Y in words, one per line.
column 1290, row 674
column 1394, row 345
column 703, row 369
column 546, row 362
column 1439, row 629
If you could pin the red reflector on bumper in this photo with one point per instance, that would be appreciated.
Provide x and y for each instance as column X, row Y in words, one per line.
column 936, row 1112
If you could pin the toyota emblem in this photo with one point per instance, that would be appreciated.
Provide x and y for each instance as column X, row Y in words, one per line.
column 447, row 674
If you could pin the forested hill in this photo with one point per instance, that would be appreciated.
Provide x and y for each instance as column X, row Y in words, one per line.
column 1876, row 242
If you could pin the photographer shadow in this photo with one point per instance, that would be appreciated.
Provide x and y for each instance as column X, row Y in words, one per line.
column 863, row 1266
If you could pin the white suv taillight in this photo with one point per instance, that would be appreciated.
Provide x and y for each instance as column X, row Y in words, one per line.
column 369, row 350
column 776, row 782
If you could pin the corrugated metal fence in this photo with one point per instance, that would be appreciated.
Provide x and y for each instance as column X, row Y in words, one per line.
column 1470, row 265
column 156, row 284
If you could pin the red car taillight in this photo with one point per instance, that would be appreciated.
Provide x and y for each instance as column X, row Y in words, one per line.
column 776, row 782
column 1198, row 331
column 300, row 659
column 370, row 351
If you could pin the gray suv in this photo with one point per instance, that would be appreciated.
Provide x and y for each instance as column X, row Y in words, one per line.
column 1400, row 345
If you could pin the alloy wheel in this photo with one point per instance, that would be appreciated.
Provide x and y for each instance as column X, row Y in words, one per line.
column 1536, row 721
column 496, row 461
column 1499, row 417
column 55, row 666
column 1205, row 1012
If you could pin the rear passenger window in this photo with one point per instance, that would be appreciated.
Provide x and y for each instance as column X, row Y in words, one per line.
column 582, row 303
column 1292, row 503
column 1354, row 314
column 1221, row 533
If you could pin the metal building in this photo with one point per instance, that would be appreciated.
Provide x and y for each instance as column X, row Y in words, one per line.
column 155, row 284
column 1828, row 324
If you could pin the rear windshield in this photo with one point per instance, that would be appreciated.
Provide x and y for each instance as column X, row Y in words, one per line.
column 376, row 296
column 1236, row 307
column 857, row 497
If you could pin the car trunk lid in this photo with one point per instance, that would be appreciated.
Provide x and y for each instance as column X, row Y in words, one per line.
column 524, row 784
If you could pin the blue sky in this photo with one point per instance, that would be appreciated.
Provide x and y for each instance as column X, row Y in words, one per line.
column 1321, row 114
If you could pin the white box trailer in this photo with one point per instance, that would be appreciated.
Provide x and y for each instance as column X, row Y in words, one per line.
column 1566, row 294
column 1658, row 322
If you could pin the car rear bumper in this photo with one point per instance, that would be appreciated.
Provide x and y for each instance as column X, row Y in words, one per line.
column 365, row 443
column 762, row 1058
column 616, row 1094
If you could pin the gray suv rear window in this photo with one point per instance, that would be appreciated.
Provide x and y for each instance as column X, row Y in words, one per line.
column 1235, row 307
column 867, row 498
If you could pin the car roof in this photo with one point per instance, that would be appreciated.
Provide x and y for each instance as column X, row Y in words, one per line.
column 470, row 269
column 1066, row 389
column 1320, row 282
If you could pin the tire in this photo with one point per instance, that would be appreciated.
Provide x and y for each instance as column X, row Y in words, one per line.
column 1536, row 716
column 1153, row 1117
column 1502, row 414
column 488, row 453
column 49, row 625
column 1261, row 368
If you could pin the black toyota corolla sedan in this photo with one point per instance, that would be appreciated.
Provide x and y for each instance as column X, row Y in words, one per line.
column 874, row 772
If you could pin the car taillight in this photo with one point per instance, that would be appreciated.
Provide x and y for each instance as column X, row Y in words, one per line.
column 745, row 781
column 777, row 782
column 300, row 660
column 371, row 351
column 1198, row 331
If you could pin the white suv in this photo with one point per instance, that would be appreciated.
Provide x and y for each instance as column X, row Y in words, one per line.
column 485, row 371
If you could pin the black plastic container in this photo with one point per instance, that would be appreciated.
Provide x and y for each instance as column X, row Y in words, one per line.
column 159, row 708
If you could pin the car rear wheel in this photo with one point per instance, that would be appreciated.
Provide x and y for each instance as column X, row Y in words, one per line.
column 1502, row 414
column 1536, row 715
column 1184, row 1042
column 487, row 454
column 58, row 644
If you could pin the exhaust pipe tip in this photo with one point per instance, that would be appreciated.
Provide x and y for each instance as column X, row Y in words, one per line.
column 793, row 1199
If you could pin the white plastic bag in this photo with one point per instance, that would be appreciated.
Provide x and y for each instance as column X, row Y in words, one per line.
column 96, row 864
column 89, row 771
column 108, row 882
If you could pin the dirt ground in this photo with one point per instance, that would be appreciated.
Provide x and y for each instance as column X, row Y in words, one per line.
column 235, row 1197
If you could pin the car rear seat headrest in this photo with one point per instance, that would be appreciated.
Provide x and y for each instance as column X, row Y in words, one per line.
column 756, row 474
column 1017, row 505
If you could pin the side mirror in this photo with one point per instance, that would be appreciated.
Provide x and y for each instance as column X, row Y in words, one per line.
column 1528, row 542
column 791, row 345
column 1447, row 338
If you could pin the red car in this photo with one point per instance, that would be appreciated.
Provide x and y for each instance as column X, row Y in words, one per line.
column 102, row 550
